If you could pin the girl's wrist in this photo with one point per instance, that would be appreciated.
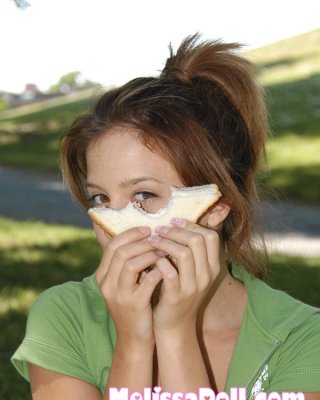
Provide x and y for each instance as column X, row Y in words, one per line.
column 176, row 337
column 133, row 345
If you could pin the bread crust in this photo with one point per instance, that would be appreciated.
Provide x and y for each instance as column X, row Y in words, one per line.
column 101, row 224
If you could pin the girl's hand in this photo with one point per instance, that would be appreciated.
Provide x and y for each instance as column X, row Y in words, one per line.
column 128, row 300
column 188, row 274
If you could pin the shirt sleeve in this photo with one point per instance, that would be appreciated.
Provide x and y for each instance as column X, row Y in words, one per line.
column 53, row 337
column 298, row 363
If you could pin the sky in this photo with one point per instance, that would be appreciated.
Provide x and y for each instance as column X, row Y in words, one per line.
column 112, row 41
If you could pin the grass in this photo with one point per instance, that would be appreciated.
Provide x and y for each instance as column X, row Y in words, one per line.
column 35, row 256
column 288, row 60
column 30, row 136
column 294, row 174
column 297, row 276
column 291, row 77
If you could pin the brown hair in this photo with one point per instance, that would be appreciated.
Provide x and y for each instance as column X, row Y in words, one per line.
column 205, row 113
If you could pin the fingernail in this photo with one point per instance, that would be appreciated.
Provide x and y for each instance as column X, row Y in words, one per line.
column 154, row 238
column 144, row 229
column 179, row 222
column 162, row 229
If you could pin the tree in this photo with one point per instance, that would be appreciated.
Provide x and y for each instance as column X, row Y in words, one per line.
column 71, row 82
column 23, row 4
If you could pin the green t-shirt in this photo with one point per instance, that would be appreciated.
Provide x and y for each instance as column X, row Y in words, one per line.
column 70, row 331
column 278, row 347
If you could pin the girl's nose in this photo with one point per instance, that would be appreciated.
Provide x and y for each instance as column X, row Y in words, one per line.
column 118, row 202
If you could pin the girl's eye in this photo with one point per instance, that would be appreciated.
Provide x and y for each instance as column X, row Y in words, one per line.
column 143, row 197
column 99, row 200
column 102, row 200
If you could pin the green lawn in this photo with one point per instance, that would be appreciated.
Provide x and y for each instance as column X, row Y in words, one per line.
column 30, row 136
column 294, row 168
column 35, row 256
column 290, row 73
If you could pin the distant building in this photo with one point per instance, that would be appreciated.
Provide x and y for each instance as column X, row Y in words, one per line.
column 11, row 99
column 30, row 94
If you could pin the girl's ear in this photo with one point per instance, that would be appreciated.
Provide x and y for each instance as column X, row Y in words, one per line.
column 215, row 215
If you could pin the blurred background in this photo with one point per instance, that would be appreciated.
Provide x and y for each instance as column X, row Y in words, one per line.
column 57, row 56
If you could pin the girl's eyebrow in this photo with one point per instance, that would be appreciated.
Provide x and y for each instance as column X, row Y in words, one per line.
column 127, row 182
column 134, row 181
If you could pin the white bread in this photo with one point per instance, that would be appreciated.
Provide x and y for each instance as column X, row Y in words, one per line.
column 188, row 203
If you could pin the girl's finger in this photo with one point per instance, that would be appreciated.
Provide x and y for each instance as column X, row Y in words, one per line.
column 171, row 283
column 148, row 284
column 127, row 237
column 182, row 256
column 195, row 249
column 128, row 277
column 118, row 252
column 212, row 242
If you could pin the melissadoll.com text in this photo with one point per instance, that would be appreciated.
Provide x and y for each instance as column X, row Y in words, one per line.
column 203, row 394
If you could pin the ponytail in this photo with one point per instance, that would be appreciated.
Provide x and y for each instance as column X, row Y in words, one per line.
column 214, row 61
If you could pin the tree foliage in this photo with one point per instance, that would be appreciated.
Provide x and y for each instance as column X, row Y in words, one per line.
column 21, row 4
column 71, row 82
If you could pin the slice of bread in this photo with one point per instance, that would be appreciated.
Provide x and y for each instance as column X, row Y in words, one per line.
column 187, row 203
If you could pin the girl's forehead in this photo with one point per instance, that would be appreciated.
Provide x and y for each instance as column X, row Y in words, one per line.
column 121, row 153
column 121, row 146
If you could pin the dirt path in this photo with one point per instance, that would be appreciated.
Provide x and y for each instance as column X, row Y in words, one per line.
column 25, row 195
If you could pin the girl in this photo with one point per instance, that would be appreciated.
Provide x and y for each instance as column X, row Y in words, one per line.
column 203, row 318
